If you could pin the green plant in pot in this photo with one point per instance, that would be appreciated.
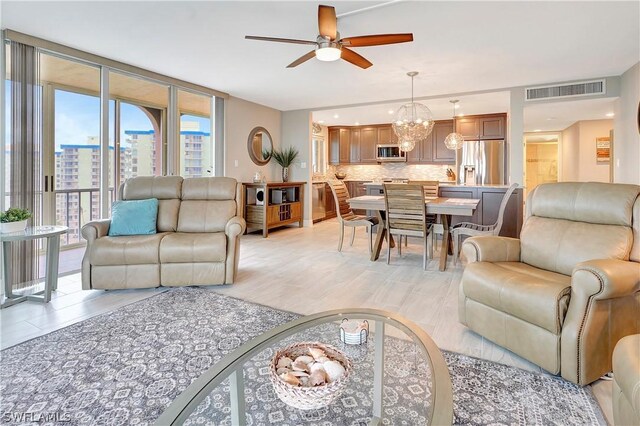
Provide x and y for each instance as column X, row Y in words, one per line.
column 285, row 158
column 14, row 219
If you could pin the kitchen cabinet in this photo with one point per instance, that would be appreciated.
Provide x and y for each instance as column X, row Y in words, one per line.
column 329, row 203
column 345, row 136
column 442, row 154
column 386, row 135
column 354, row 146
column 368, row 142
column 490, row 126
column 356, row 188
column 334, row 146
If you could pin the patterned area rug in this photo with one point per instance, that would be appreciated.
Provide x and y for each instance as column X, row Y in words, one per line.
column 127, row 366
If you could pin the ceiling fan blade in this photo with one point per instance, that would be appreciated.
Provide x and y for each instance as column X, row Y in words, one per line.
column 351, row 56
column 327, row 21
column 280, row 40
column 376, row 40
column 302, row 59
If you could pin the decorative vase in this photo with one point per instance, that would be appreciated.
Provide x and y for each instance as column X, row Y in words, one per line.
column 285, row 174
column 8, row 227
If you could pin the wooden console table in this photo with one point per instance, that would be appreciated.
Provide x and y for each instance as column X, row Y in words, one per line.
column 271, row 205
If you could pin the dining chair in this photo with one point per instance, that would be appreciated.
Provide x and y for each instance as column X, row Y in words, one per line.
column 346, row 217
column 472, row 229
column 431, row 190
column 406, row 214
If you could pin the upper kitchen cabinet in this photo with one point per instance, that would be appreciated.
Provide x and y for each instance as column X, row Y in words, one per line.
column 368, row 142
column 492, row 127
column 386, row 135
column 354, row 146
column 482, row 127
column 345, row 144
column 442, row 154
column 334, row 146
column 468, row 127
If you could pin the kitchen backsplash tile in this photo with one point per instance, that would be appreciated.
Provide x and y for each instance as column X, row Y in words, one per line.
column 391, row 170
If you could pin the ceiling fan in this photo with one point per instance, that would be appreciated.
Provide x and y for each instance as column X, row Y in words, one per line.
column 329, row 45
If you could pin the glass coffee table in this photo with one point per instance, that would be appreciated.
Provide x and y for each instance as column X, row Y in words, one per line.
column 399, row 376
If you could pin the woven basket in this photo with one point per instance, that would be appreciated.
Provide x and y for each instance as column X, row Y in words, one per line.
column 309, row 398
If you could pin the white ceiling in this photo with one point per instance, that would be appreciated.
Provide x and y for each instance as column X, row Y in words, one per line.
column 441, row 109
column 560, row 115
column 459, row 46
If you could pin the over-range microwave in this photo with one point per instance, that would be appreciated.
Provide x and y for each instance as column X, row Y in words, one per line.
column 390, row 152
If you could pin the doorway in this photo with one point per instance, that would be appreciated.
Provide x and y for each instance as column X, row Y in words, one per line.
column 541, row 159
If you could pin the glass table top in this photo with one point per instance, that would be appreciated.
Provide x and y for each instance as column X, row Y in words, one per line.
column 398, row 377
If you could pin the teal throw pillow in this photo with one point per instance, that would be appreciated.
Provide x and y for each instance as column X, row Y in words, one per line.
column 135, row 217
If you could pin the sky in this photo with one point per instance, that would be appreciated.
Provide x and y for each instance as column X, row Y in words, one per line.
column 77, row 117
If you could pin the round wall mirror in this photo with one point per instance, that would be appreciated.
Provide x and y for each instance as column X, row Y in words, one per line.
column 260, row 146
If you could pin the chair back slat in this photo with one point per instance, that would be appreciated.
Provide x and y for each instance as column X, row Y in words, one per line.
column 503, row 207
column 405, row 209
column 431, row 187
column 340, row 196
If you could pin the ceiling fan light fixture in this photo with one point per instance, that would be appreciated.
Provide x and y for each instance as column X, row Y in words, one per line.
column 328, row 52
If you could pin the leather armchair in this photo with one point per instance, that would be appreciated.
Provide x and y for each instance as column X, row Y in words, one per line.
column 563, row 294
column 197, row 240
column 626, row 381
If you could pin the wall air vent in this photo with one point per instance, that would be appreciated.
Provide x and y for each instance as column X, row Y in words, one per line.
column 584, row 88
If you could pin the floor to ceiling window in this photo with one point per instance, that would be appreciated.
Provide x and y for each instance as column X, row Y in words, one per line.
column 153, row 126
column 196, row 142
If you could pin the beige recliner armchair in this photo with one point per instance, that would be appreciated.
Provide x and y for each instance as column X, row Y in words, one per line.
column 626, row 381
column 198, row 240
column 563, row 294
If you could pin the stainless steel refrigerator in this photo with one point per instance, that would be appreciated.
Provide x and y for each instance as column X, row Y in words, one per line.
column 481, row 162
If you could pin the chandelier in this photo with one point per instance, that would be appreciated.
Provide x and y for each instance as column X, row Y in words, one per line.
column 454, row 140
column 413, row 123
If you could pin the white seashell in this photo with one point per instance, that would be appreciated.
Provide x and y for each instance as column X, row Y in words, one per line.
column 316, row 366
column 300, row 366
column 317, row 378
column 304, row 381
column 316, row 353
column 300, row 373
column 284, row 362
column 290, row 379
column 306, row 359
column 282, row 370
column 323, row 359
column 334, row 370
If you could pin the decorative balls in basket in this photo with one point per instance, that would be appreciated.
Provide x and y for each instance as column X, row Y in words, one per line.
column 309, row 375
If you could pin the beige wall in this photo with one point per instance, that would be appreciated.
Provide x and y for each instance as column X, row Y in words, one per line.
column 241, row 117
column 579, row 151
column 570, row 153
column 626, row 149
column 296, row 132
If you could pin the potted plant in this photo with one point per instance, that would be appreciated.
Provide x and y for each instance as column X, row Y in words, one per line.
column 14, row 220
column 285, row 158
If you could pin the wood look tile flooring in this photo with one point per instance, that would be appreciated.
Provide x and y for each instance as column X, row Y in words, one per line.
column 300, row 270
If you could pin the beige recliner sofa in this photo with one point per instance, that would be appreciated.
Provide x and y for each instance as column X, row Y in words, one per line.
column 626, row 381
column 198, row 241
column 563, row 294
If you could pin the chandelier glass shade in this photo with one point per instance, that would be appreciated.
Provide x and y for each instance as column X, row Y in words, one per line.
column 454, row 140
column 413, row 122
column 406, row 145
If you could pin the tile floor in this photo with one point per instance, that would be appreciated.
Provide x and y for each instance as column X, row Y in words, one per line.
column 300, row 270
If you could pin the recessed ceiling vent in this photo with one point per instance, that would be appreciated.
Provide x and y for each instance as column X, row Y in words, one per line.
column 584, row 88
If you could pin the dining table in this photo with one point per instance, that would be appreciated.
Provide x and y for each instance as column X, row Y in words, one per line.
column 443, row 207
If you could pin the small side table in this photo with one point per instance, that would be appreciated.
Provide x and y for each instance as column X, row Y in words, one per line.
column 52, row 234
